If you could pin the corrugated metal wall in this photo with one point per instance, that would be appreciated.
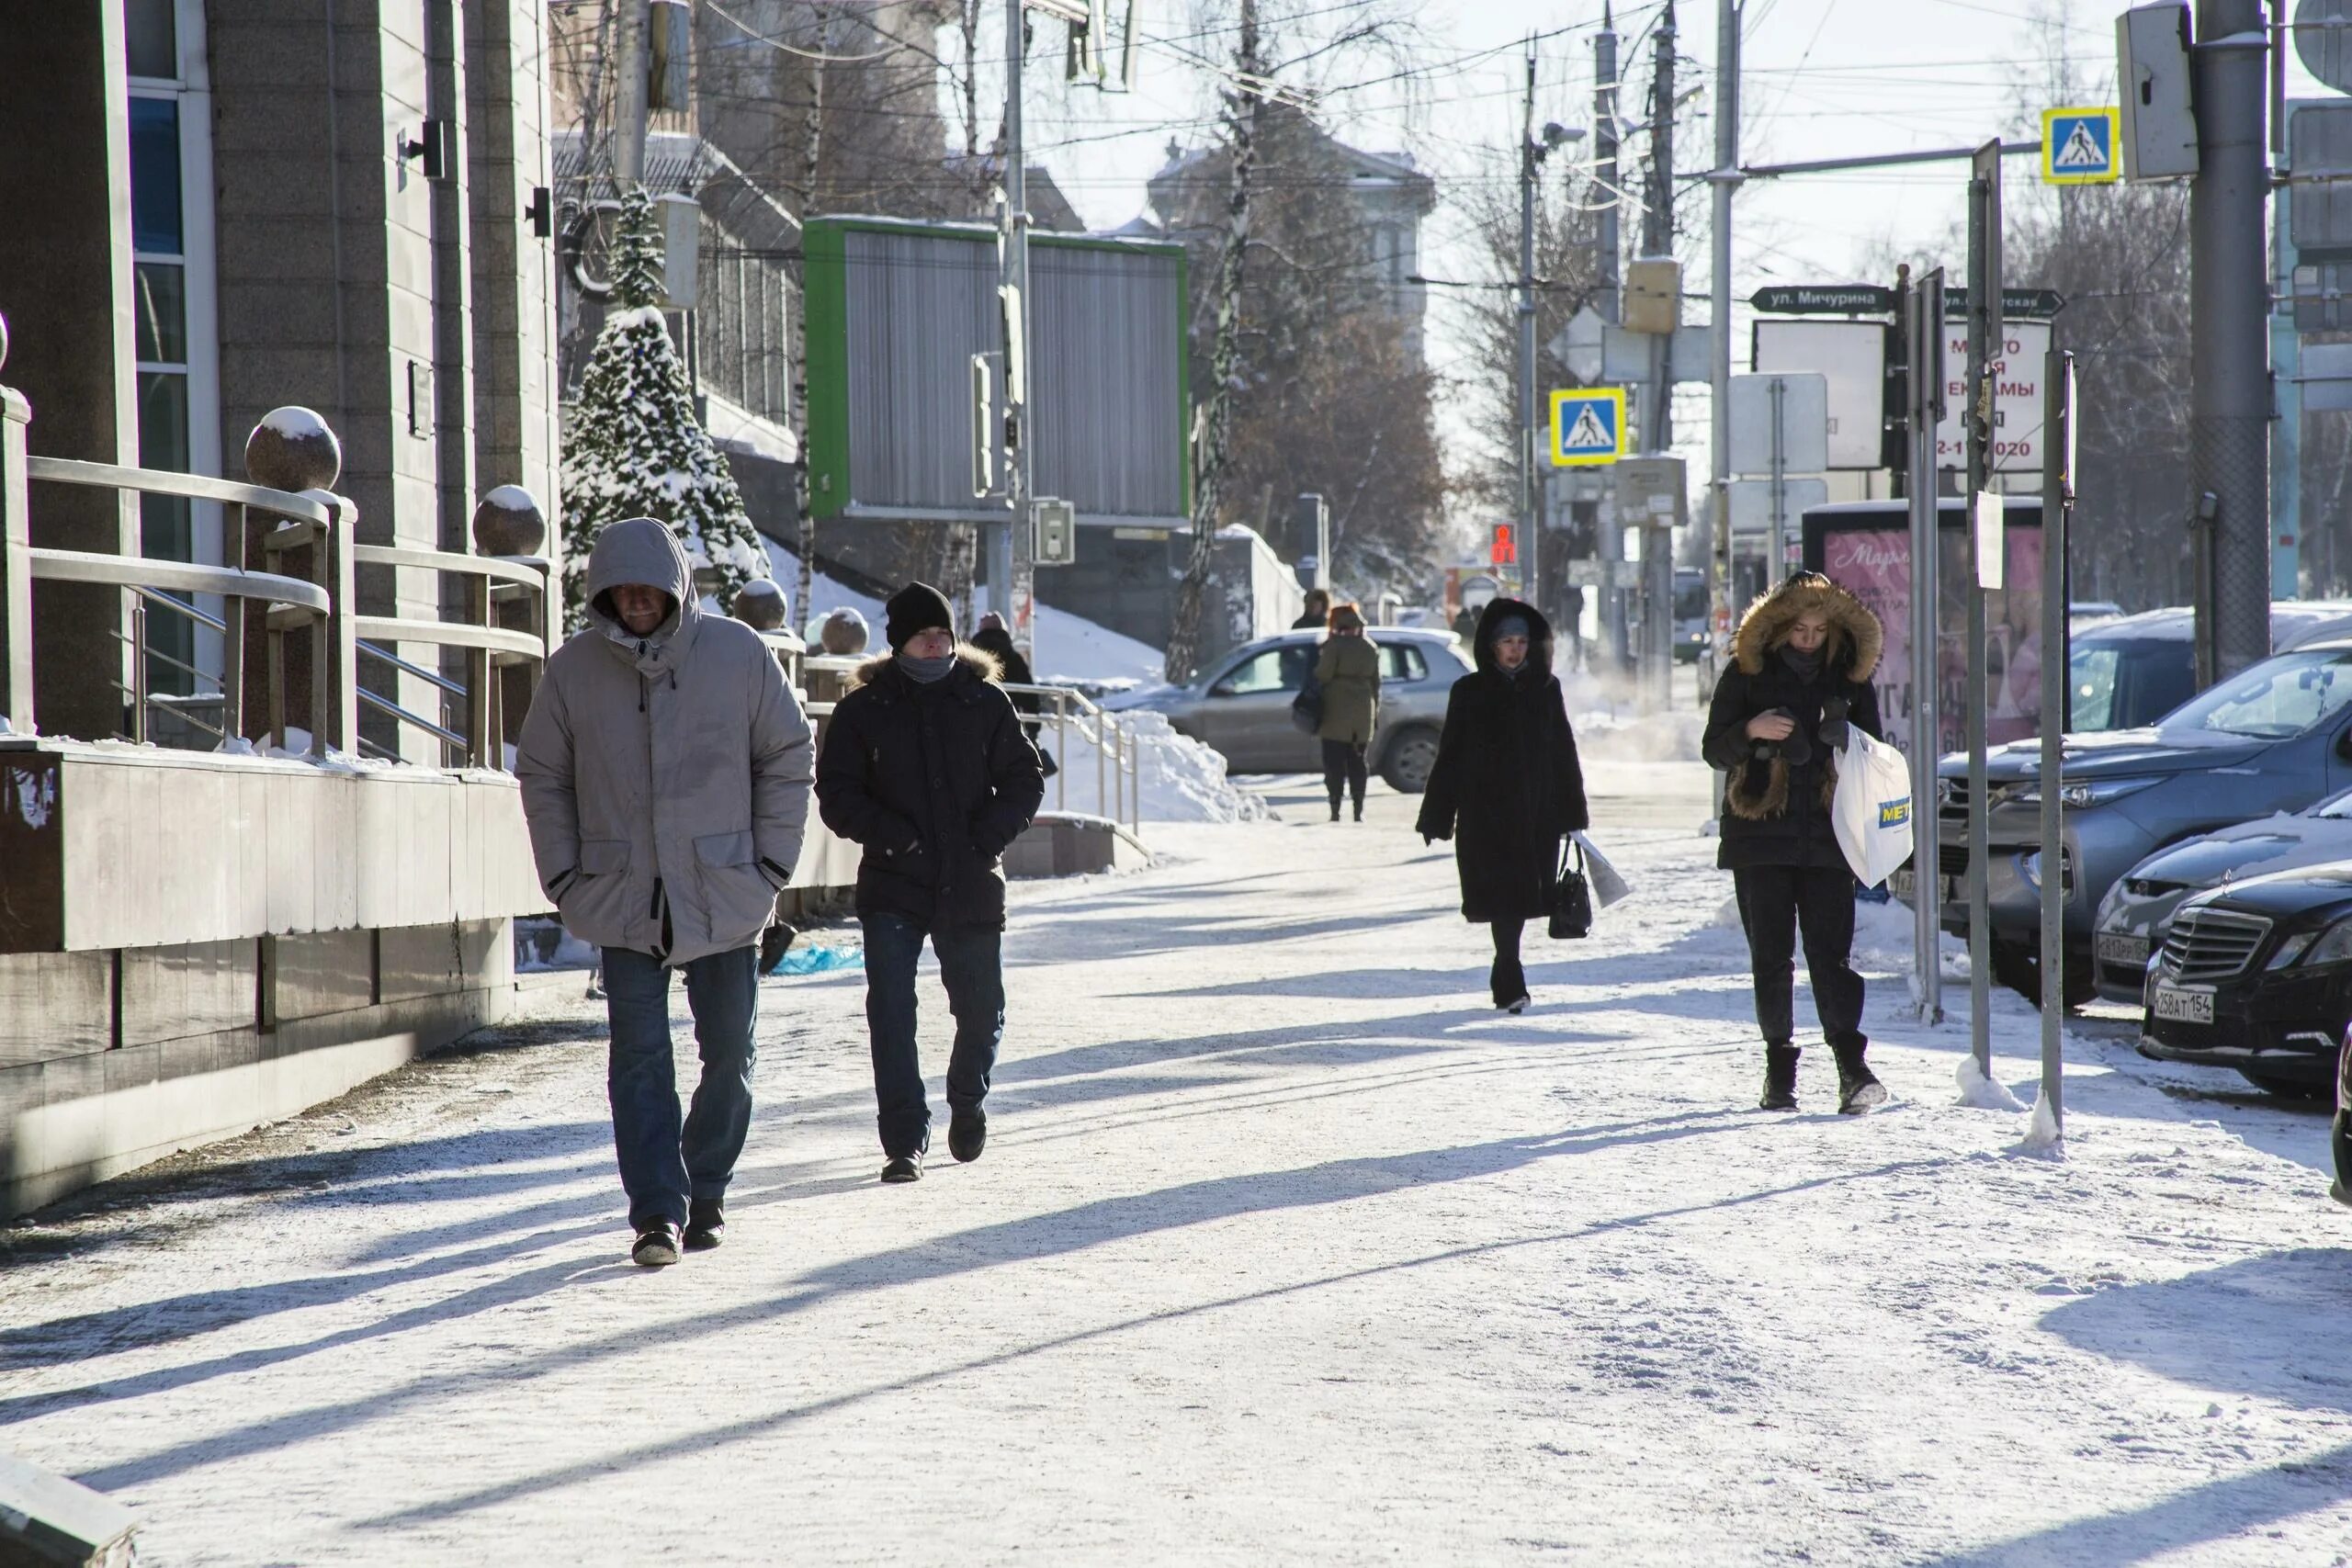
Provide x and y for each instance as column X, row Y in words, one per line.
column 920, row 306
column 1105, row 351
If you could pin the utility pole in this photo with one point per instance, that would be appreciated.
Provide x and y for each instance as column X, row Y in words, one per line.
column 1722, row 182
column 1611, row 531
column 628, row 93
column 1658, row 234
column 1530, row 524
column 2229, row 420
column 1012, row 553
column 1985, row 351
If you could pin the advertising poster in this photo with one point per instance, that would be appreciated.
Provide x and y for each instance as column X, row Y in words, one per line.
column 1866, row 549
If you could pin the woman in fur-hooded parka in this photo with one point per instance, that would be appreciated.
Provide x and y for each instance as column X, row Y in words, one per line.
column 1800, row 677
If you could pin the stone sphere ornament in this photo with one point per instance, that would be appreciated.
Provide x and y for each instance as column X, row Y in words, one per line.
column 759, row 604
column 842, row 633
column 293, row 448
column 508, row 522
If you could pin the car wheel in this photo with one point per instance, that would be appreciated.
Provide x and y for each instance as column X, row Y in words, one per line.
column 1406, row 768
column 2285, row 1089
column 2019, row 967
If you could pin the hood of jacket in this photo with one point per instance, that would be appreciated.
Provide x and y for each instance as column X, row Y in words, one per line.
column 1856, row 639
column 1539, row 634
column 882, row 672
column 643, row 550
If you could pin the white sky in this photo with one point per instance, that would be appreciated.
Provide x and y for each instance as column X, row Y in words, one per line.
column 1823, row 78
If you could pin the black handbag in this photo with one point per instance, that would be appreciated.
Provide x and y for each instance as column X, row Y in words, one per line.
column 1306, row 709
column 1572, row 899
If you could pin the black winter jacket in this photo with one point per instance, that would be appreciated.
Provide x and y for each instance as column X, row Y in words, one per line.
column 934, row 782
column 1776, row 814
column 1506, row 786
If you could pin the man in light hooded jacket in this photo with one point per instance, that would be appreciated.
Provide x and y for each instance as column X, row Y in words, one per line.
column 665, row 769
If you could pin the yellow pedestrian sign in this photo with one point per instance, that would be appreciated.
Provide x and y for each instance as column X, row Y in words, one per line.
column 1587, row 426
column 2078, row 146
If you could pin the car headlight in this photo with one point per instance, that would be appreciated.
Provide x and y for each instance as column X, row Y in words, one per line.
column 2089, row 792
column 2333, row 945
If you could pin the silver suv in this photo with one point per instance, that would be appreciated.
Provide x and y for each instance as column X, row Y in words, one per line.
column 1240, row 705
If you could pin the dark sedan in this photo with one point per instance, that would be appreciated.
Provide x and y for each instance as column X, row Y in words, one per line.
column 2257, row 975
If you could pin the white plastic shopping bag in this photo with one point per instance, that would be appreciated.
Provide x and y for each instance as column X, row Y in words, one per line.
column 1872, row 807
column 1609, row 884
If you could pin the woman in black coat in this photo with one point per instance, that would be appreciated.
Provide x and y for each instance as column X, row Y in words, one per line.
column 1800, row 676
column 1506, row 786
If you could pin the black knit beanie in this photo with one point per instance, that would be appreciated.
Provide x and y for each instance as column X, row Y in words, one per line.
column 917, row 607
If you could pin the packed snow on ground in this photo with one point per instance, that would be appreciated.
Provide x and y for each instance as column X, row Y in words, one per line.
column 1182, row 779
column 1068, row 646
column 1287, row 1250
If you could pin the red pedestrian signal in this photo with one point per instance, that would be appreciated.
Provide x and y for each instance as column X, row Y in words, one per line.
column 1506, row 549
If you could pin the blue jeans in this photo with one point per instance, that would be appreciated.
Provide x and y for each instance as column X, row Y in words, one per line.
column 662, row 1164
column 971, row 966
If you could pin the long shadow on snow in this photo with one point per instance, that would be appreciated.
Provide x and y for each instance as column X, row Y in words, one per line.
column 2222, row 1329
column 1029, row 1239
column 702, row 1442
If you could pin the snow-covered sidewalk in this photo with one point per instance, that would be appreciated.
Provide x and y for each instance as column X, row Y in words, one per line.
column 1286, row 1248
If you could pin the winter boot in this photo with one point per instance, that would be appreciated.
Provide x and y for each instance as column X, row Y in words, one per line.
column 705, row 1224
column 1335, row 811
column 1780, row 1078
column 1858, row 1088
column 967, row 1132
column 903, row 1168
column 1359, row 810
column 657, row 1246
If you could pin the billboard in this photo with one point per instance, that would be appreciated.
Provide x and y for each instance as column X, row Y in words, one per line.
column 1852, row 356
column 1865, row 548
column 896, row 310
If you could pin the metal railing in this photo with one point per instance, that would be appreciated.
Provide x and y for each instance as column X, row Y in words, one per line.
column 1118, row 752
column 487, row 582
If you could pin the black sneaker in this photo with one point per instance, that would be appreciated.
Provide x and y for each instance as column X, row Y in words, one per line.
column 657, row 1246
column 967, row 1132
column 705, row 1224
column 903, row 1168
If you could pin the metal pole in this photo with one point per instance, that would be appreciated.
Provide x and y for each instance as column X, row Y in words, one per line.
column 1018, row 595
column 1612, row 534
column 628, row 93
column 1926, row 333
column 2057, row 507
column 1778, row 567
column 1527, row 519
column 2229, row 421
column 1724, row 181
column 1657, row 231
column 2294, row 546
column 1984, row 349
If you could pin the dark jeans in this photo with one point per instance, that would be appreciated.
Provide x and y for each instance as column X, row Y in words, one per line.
column 1507, row 979
column 971, row 966
column 1343, row 763
column 664, row 1164
column 1775, row 903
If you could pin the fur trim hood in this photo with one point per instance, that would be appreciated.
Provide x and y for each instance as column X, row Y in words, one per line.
column 1539, row 634
column 1856, row 639
column 979, row 660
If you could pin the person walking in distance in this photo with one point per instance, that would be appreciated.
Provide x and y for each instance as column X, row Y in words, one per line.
column 994, row 640
column 1348, row 670
column 1507, row 785
column 665, row 774
column 1800, row 675
column 927, row 766
column 1318, row 612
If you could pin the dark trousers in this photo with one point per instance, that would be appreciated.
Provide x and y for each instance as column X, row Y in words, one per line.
column 971, row 966
column 1776, row 902
column 1507, row 979
column 664, row 1164
column 1343, row 763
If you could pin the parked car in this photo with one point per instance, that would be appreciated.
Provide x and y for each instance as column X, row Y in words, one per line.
column 2081, row 613
column 2340, row 1135
column 2257, row 976
column 1240, row 705
column 2132, row 916
column 2131, row 671
column 2272, row 738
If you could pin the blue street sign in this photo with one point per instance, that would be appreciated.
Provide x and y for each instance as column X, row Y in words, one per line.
column 2078, row 146
column 1587, row 426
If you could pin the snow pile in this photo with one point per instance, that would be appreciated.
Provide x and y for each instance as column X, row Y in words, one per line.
column 1978, row 1092
column 2042, row 1135
column 1068, row 647
column 1182, row 780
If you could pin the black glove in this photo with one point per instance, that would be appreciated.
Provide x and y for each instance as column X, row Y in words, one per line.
column 1834, row 731
column 1796, row 750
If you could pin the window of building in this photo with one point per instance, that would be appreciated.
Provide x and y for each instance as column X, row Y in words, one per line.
column 740, row 337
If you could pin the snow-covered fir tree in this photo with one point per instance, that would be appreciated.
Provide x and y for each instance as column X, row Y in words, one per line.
column 634, row 449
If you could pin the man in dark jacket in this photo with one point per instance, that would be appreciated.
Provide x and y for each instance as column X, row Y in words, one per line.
column 926, row 765
column 1802, row 662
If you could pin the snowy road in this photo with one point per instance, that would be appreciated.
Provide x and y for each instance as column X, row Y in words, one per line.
column 1286, row 1249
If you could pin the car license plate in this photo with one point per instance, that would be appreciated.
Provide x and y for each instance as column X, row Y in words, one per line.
column 1904, row 882
column 2181, row 1005
column 2131, row 951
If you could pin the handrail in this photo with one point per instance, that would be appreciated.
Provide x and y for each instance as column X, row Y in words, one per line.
column 157, row 481
column 529, row 570
column 385, row 704
column 429, row 676
column 450, row 634
column 148, row 571
column 164, row 601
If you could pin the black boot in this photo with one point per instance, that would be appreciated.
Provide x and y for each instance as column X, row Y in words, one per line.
column 1858, row 1088
column 1335, row 811
column 1780, row 1078
column 967, row 1132
column 705, row 1224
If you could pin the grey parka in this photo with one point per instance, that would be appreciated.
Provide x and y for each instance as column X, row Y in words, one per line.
column 665, row 778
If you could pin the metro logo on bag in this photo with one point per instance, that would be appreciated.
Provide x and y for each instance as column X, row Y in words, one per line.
column 1871, row 809
column 1895, row 813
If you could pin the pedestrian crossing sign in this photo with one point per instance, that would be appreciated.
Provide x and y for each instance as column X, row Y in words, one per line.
column 2078, row 146
column 1587, row 426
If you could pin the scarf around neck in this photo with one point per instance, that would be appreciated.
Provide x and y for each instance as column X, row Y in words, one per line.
column 1806, row 665
column 925, row 671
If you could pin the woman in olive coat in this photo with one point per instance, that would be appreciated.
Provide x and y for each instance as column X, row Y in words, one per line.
column 1506, row 786
column 1348, row 670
